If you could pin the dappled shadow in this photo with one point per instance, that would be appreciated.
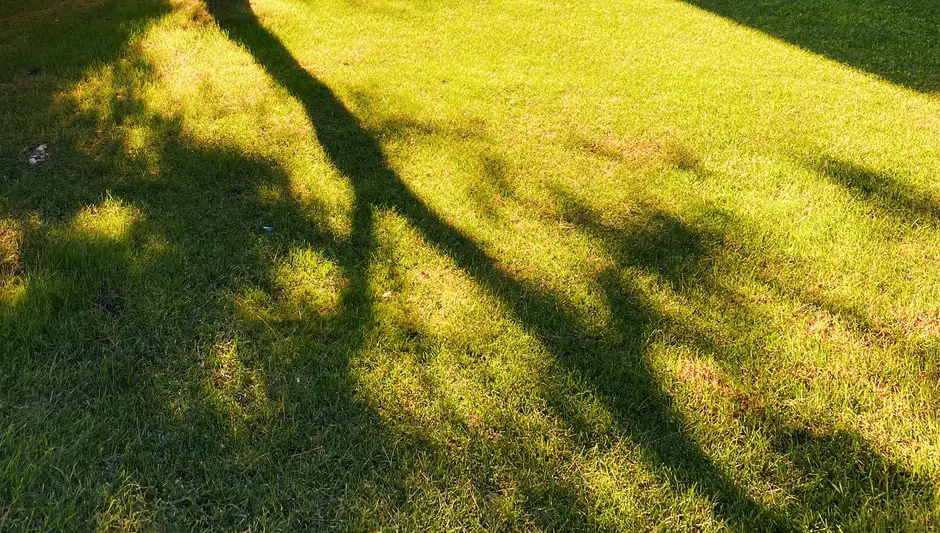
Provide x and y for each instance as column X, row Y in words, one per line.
column 198, row 376
column 64, row 51
column 613, row 364
column 898, row 40
column 44, row 48
column 131, row 312
column 210, row 373
column 838, row 478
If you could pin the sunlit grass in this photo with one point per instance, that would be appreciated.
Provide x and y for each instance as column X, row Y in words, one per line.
column 619, row 266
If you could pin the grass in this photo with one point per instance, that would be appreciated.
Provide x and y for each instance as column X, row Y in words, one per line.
column 532, row 266
column 895, row 40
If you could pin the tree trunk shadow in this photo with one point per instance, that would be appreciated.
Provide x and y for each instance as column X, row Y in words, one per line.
column 614, row 365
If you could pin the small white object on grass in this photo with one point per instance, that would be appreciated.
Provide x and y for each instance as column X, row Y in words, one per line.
column 38, row 154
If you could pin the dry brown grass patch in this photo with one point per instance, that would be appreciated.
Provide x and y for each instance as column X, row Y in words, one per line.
column 658, row 152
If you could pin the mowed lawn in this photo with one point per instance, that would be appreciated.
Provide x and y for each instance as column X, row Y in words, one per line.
column 502, row 265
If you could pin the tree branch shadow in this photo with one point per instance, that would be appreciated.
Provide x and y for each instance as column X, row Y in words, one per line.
column 838, row 478
column 886, row 194
column 615, row 367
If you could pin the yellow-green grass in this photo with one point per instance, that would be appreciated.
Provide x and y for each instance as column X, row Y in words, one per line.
column 532, row 265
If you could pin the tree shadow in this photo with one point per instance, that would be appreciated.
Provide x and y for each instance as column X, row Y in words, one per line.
column 897, row 40
column 144, row 339
column 188, row 446
column 63, row 48
column 613, row 364
column 46, row 47
column 861, row 489
column 839, row 480
column 886, row 194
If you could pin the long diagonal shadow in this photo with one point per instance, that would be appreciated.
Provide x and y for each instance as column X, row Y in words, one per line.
column 616, row 368
column 897, row 40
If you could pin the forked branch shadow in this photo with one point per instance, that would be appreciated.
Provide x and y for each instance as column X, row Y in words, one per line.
column 615, row 364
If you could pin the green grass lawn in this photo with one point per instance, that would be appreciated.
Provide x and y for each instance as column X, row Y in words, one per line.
column 365, row 265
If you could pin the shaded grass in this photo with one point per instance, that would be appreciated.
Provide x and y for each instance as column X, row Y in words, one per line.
column 477, row 309
column 886, row 194
column 896, row 40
